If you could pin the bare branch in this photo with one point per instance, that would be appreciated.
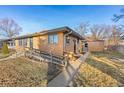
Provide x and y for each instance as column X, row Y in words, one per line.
column 117, row 17
column 83, row 28
column 9, row 28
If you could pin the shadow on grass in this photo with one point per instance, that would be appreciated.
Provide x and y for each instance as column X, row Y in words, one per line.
column 111, row 71
column 109, row 54
column 53, row 71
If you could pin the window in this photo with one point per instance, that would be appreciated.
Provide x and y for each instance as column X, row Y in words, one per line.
column 11, row 43
column 24, row 42
column 31, row 42
column 67, row 39
column 50, row 38
column 53, row 38
column 86, row 45
column 20, row 42
column 8, row 43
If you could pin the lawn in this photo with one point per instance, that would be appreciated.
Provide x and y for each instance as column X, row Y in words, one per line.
column 21, row 72
column 101, row 70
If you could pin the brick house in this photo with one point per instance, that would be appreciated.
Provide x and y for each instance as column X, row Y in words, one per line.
column 58, row 41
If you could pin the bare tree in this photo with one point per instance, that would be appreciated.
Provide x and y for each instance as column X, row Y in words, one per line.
column 110, row 33
column 83, row 28
column 115, row 35
column 98, row 32
column 9, row 28
column 119, row 16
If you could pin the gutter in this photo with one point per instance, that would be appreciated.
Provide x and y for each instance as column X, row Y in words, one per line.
column 68, row 33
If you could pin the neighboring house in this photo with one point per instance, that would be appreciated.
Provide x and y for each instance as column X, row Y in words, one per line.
column 121, row 45
column 122, row 40
column 1, row 43
column 10, row 43
column 95, row 45
column 56, row 41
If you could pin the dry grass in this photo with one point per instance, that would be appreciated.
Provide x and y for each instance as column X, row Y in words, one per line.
column 108, row 54
column 100, row 71
column 92, row 77
column 22, row 73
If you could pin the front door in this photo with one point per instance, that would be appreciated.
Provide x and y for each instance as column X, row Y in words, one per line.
column 75, row 46
column 85, row 47
column 31, row 42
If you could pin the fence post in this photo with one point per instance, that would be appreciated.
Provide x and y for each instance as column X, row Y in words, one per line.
column 25, row 54
column 16, row 54
column 51, row 58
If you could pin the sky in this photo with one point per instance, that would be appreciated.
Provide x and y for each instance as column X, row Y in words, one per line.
column 37, row 18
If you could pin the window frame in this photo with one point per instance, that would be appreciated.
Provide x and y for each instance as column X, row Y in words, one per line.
column 31, row 42
column 25, row 41
column 20, row 42
column 53, row 38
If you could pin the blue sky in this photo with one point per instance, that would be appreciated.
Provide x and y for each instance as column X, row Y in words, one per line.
column 37, row 18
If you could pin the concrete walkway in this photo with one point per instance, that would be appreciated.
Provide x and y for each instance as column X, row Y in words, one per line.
column 66, row 76
column 117, row 60
column 15, row 55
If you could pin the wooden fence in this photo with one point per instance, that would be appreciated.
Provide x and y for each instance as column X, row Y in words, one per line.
column 121, row 49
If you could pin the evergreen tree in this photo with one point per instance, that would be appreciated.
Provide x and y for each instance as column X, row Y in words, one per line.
column 5, row 48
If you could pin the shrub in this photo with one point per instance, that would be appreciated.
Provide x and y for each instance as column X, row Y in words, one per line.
column 112, row 47
column 5, row 48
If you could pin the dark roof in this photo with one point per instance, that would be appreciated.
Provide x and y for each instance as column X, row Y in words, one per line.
column 122, row 37
column 5, row 40
column 95, row 40
column 60, row 29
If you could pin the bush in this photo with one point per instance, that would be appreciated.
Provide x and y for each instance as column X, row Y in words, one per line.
column 112, row 47
column 5, row 48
